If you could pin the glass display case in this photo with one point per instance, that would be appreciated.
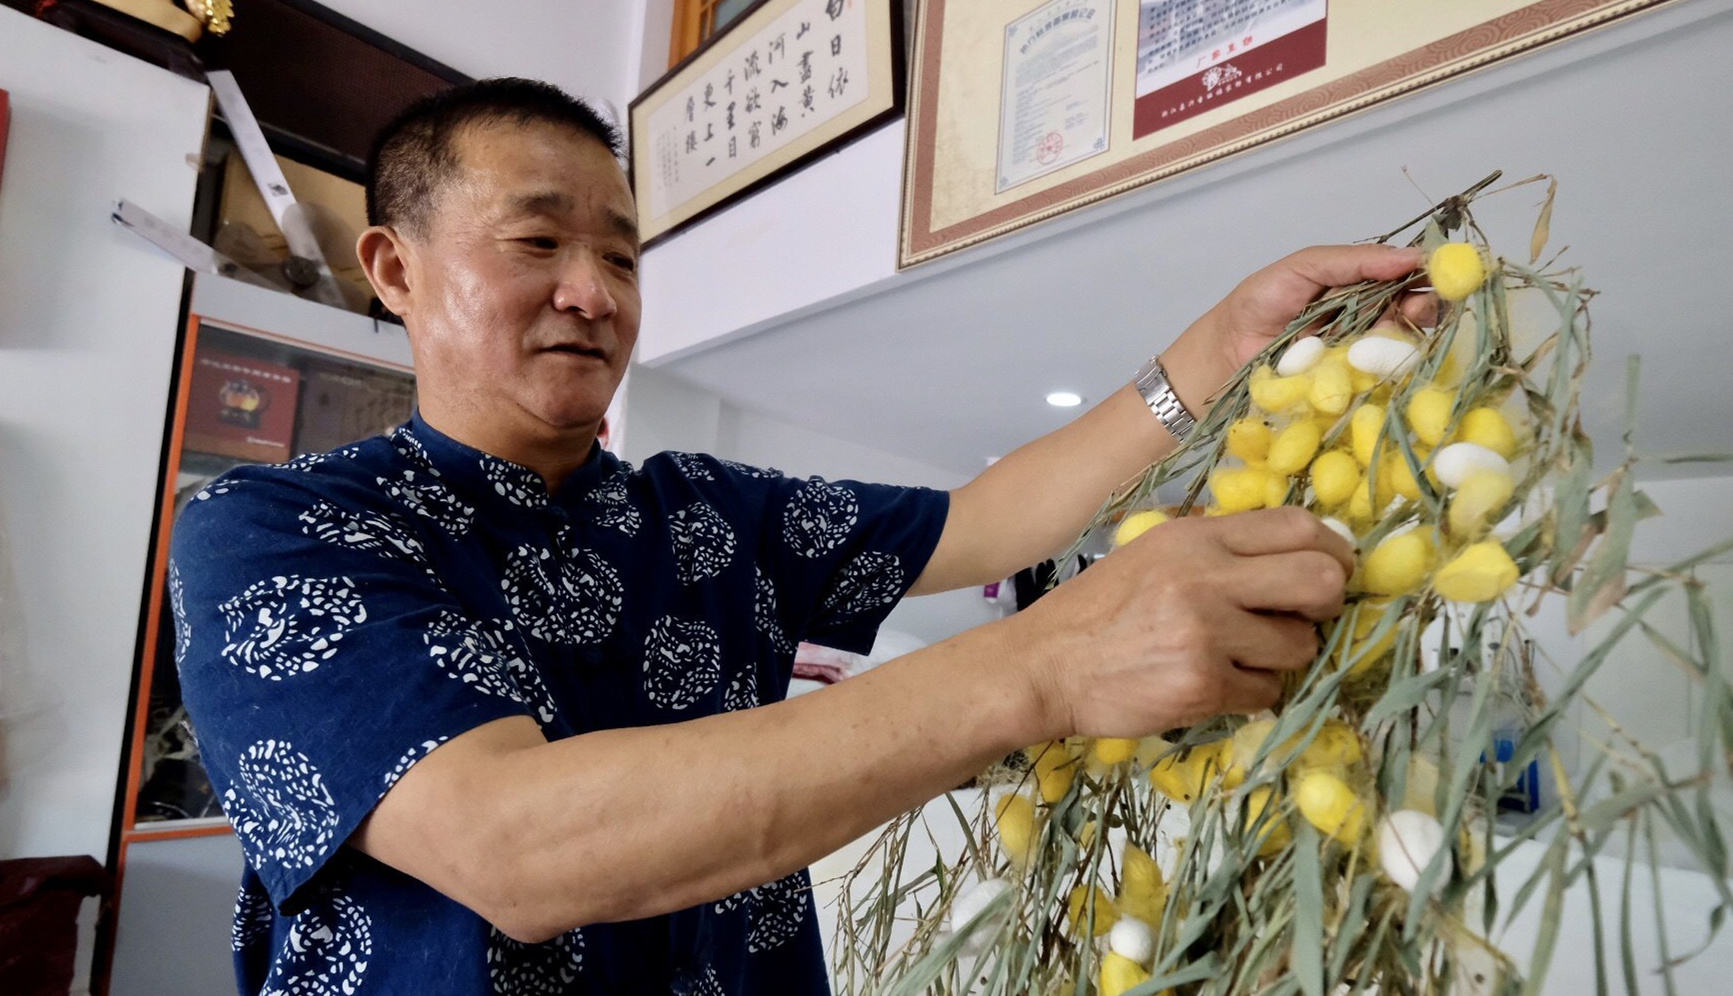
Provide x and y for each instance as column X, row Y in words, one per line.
column 243, row 396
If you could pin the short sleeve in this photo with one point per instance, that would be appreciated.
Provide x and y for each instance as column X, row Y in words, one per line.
column 320, row 658
column 836, row 557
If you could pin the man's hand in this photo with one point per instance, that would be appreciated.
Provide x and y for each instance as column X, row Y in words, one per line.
column 1032, row 504
column 1242, row 324
column 1195, row 618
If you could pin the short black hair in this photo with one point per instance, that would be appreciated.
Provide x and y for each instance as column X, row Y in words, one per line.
column 415, row 154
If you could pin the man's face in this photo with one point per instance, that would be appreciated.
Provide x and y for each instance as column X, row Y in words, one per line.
column 524, row 286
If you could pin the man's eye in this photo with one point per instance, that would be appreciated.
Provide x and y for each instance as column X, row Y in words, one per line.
column 624, row 262
column 541, row 242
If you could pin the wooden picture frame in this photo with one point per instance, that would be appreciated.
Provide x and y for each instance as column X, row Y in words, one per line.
column 787, row 82
column 1218, row 93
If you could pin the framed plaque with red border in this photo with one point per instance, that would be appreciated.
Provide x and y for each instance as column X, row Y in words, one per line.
column 1023, row 110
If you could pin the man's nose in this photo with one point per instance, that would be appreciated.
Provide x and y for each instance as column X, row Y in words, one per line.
column 583, row 288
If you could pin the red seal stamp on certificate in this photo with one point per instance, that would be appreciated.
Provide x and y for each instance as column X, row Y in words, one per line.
column 1050, row 148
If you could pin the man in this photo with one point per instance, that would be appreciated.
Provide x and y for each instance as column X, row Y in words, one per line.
column 492, row 711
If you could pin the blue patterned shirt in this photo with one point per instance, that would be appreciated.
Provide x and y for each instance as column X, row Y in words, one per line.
column 341, row 616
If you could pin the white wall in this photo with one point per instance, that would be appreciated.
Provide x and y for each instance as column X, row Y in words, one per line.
column 1650, row 696
column 758, row 439
column 822, row 236
column 1695, row 513
column 88, row 317
column 664, row 412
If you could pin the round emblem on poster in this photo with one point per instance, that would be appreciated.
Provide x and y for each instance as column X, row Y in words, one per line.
column 1050, row 148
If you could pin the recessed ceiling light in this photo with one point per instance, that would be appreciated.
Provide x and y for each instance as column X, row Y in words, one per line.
column 1065, row 399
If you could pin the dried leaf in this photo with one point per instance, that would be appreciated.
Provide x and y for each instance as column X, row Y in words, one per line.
column 1542, row 225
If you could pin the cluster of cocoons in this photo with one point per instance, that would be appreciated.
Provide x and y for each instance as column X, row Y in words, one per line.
column 1122, row 922
column 1325, row 430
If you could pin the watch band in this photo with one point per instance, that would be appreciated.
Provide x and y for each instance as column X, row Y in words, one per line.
column 1158, row 394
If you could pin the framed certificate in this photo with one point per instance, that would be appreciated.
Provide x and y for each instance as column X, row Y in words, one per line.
column 1056, row 95
column 1094, row 98
column 788, row 81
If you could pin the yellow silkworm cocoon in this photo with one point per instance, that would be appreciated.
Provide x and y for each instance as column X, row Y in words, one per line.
column 1361, row 652
column 1148, row 749
column 1398, row 565
column 1374, row 492
column 1334, row 475
column 1364, row 430
column 1113, row 750
column 1120, row 975
column 1249, row 439
column 1489, row 428
column 1086, row 836
column 1328, row 803
column 1136, row 524
column 1335, row 746
column 1142, row 890
column 1183, row 779
column 1240, row 489
column 1480, row 573
column 1018, row 831
column 1401, row 477
column 1276, row 490
column 1054, row 771
column 1332, row 388
column 1429, row 414
column 1420, row 788
column 1274, row 836
column 1456, row 270
column 1078, row 909
column 1248, row 740
column 1483, row 494
column 1294, row 447
column 1273, row 393
column 1361, row 504
column 1218, row 761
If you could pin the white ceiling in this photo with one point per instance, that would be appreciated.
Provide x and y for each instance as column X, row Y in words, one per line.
column 951, row 368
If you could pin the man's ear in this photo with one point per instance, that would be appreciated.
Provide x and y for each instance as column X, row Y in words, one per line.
column 385, row 257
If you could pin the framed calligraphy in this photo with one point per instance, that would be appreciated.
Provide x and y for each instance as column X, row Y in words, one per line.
column 788, row 81
column 1100, row 97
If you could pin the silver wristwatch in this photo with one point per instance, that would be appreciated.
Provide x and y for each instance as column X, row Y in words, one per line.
column 1158, row 394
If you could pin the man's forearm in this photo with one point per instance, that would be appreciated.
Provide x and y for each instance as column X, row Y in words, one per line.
column 628, row 823
column 1032, row 503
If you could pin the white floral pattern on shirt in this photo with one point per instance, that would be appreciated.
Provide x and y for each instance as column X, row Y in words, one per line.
column 280, row 807
column 287, row 626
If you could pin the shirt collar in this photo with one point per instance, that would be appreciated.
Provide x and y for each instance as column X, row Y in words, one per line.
column 491, row 480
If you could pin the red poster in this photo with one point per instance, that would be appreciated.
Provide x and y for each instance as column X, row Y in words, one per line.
column 242, row 408
column 1196, row 55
